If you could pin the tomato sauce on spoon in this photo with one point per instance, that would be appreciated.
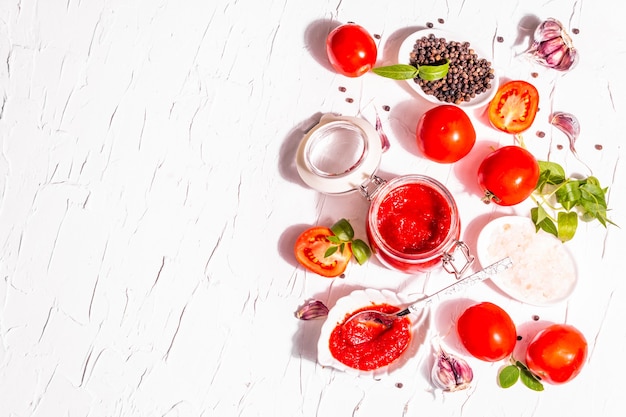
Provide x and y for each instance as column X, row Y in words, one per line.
column 368, row 345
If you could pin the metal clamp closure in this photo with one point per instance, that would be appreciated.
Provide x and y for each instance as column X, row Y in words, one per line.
column 370, row 186
column 450, row 262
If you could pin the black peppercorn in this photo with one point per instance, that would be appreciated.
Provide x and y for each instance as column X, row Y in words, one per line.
column 468, row 74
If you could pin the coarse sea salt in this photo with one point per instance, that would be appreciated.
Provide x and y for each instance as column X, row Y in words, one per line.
column 543, row 270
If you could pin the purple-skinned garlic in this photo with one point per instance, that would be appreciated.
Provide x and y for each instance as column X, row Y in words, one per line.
column 553, row 47
column 568, row 124
column 312, row 309
column 451, row 373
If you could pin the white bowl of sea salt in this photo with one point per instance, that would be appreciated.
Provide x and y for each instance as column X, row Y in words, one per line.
column 543, row 270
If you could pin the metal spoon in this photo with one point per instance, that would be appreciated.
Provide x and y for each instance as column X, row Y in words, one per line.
column 387, row 319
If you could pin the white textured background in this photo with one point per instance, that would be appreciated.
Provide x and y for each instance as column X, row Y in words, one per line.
column 149, row 204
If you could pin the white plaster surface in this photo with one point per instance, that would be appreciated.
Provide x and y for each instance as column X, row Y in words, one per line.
column 149, row 204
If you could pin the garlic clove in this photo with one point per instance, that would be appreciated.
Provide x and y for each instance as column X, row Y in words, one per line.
column 451, row 373
column 554, row 58
column 548, row 29
column 384, row 140
column 312, row 309
column 568, row 124
column 545, row 48
column 569, row 60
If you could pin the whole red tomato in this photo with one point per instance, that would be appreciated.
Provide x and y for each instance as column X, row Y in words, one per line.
column 487, row 332
column 351, row 50
column 508, row 175
column 445, row 134
column 557, row 353
column 311, row 252
column 514, row 106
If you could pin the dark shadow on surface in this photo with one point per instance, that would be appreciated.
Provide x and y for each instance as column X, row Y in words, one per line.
column 466, row 169
column 289, row 148
column 403, row 120
column 315, row 40
column 528, row 330
column 526, row 29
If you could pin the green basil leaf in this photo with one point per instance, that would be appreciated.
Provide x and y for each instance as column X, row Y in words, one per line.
column 538, row 214
column 588, row 217
column 434, row 72
column 333, row 239
column 593, row 192
column 593, row 202
column 543, row 221
column 552, row 172
column 569, row 194
column 361, row 251
column 397, row 71
column 343, row 230
column 591, row 209
column 530, row 380
column 586, row 196
column 542, row 181
column 594, row 181
column 330, row 251
column 568, row 222
column 508, row 376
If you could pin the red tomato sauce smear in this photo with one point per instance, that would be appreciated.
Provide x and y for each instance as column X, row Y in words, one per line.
column 414, row 218
column 381, row 345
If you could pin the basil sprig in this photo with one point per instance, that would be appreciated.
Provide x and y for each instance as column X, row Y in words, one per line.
column 510, row 374
column 575, row 198
column 343, row 233
column 408, row 72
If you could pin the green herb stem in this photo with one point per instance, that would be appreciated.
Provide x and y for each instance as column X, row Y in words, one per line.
column 575, row 198
column 544, row 201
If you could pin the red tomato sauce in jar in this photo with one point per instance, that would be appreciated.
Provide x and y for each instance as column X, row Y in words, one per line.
column 413, row 224
column 369, row 346
column 414, row 218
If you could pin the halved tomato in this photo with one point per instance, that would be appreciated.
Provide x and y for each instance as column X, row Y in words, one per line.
column 315, row 252
column 514, row 106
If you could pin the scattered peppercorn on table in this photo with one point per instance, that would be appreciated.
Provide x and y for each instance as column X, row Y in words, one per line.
column 177, row 177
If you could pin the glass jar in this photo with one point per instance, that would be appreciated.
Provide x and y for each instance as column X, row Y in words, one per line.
column 413, row 222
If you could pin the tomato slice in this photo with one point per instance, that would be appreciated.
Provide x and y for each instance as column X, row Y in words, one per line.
column 311, row 249
column 514, row 106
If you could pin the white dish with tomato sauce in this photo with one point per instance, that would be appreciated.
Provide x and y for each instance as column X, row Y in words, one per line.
column 480, row 99
column 338, row 350
column 543, row 271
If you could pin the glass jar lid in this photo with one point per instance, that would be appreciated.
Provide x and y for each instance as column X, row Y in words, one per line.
column 339, row 154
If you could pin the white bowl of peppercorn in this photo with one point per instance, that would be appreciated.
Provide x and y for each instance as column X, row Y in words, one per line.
column 471, row 81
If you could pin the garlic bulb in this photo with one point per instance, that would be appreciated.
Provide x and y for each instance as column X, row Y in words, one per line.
column 451, row 373
column 553, row 47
